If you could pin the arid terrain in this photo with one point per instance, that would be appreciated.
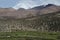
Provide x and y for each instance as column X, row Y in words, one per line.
column 38, row 23
column 40, row 18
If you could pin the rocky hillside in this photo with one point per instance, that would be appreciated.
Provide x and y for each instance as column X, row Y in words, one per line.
column 42, row 19
column 47, row 22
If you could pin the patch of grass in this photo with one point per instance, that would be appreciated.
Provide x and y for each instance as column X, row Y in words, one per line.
column 29, row 35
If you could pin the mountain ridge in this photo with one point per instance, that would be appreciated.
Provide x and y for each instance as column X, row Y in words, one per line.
column 23, row 13
column 42, row 20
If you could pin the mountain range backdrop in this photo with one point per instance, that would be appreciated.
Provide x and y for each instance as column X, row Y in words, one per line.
column 32, row 16
column 29, row 19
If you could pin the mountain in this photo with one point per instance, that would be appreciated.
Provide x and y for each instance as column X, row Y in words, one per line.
column 42, row 6
column 46, row 18
column 23, row 13
column 47, row 8
column 50, row 8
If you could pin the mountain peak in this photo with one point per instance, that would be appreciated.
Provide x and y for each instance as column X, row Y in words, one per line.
column 42, row 6
column 50, row 5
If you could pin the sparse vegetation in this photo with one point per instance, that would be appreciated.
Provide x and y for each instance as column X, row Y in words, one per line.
column 43, row 27
column 47, row 22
